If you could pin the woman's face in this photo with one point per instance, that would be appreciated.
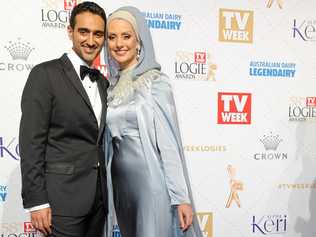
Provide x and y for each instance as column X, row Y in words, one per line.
column 122, row 43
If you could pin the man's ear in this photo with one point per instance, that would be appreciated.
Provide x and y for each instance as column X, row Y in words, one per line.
column 70, row 32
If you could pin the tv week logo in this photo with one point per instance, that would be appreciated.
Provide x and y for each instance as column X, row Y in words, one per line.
column 311, row 101
column 69, row 4
column 28, row 228
column 235, row 26
column 100, row 65
column 200, row 57
column 234, row 108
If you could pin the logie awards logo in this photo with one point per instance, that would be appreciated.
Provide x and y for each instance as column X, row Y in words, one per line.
column 302, row 109
column 55, row 14
column 196, row 65
column 18, row 229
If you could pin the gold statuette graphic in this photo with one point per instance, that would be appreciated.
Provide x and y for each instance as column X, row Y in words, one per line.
column 211, row 68
column 279, row 2
column 211, row 71
column 235, row 186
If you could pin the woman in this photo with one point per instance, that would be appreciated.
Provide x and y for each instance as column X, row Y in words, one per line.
column 148, row 177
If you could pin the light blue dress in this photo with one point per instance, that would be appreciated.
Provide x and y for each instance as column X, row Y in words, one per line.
column 146, row 171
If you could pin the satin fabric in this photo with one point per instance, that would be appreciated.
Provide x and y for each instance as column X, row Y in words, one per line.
column 146, row 162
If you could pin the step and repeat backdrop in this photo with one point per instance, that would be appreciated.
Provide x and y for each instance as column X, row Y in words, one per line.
column 244, row 78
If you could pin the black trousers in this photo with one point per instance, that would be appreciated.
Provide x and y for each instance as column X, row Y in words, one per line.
column 91, row 225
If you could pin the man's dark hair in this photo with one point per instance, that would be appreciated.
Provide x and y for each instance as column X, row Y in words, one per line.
column 86, row 7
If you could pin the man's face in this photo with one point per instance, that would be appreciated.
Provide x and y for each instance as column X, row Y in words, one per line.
column 87, row 36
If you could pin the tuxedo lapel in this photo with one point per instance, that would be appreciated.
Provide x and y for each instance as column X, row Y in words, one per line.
column 102, row 86
column 74, row 79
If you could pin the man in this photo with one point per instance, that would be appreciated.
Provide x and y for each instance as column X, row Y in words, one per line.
column 63, row 119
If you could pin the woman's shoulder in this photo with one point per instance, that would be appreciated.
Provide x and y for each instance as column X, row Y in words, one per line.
column 159, row 80
column 152, row 81
column 160, row 86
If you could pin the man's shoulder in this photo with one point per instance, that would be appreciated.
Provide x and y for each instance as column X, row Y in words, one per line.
column 50, row 64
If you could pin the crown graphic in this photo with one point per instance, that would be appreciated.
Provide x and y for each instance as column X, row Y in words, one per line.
column 271, row 142
column 19, row 50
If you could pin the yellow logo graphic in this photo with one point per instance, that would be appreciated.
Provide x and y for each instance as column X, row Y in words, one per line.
column 49, row 3
column 205, row 148
column 235, row 26
column 297, row 186
column 235, row 186
column 205, row 220
column 279, row 2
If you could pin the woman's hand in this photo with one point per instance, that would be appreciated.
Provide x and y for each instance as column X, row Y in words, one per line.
column 185, row 216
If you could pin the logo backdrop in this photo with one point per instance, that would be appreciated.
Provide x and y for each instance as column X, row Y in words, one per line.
column 244, row 82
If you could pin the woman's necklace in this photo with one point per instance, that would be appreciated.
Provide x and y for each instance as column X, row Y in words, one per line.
column 123, row 91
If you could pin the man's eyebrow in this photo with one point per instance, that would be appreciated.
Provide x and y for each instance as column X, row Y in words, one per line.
column 99, row 31
column 83, row 28
column 86, row 29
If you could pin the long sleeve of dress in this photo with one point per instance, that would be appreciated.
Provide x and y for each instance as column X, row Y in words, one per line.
column 169, row 141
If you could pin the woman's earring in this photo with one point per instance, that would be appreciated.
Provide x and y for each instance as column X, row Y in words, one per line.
column 137, row 53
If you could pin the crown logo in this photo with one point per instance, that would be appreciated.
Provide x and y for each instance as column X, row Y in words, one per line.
column 271, row 142
column 19, row 50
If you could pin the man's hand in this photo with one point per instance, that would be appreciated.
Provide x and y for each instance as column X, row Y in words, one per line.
column 42, row 220
column 185, row 216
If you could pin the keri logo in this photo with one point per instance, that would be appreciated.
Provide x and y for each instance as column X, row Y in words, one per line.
column 305, row 30
column 69, row 4
column 6, row 150
column 205, row 220
column 234, row 108
column 235, row 26
column 269, row 224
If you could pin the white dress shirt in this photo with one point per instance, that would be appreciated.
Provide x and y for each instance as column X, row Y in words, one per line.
column 92, row 91
column 90, row 87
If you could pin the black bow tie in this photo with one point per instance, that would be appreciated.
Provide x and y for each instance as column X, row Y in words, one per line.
column 94, row 74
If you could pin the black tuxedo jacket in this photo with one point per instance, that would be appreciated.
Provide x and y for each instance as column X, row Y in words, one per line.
column 60, row 141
